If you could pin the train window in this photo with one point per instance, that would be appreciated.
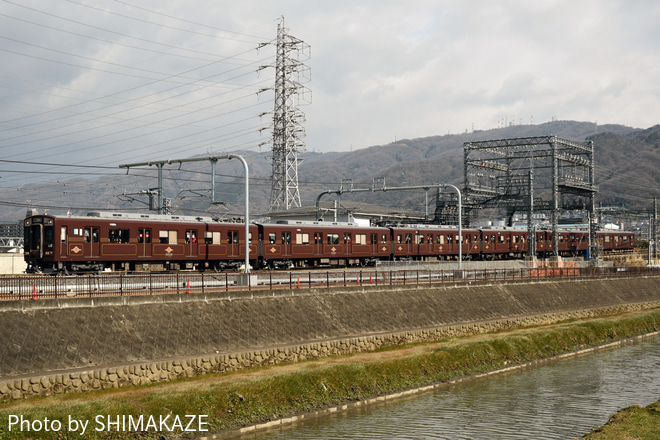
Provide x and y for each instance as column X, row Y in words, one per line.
column 486, row 239
column 168, row 237
column 272, row 238
column 419, row 239
column 399, row 238
column 492, row 238
column 318, row 237
column 616, row 238
column 249, row 238
column 144, row 235
column 501, row 238
column 540, row 238
column 383, row 239
column 374, row 238
column 440, row 239
column 522, row 238
column 212, row 237
column 515, row 239
column 232, row 237
column 191, row 236
column 63, row 234
column 408, row 238
column 333, row 238
column 286, row 237
column 347, row 238
column 115, row 235
column 360, row 238
column 625, row 238
column 476, row 239
column 302, row 238
column 450, row 238
column 88, row 236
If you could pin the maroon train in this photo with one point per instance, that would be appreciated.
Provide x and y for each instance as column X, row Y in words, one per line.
column 148, row 242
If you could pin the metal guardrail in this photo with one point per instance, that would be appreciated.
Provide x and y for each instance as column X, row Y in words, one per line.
column 35, row 287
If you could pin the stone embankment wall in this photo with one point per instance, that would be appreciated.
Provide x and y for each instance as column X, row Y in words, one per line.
column 73, row 345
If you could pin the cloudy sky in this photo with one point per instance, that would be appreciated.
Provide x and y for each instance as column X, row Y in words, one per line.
column 99, row 83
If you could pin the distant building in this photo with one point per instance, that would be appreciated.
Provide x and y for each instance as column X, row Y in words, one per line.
column 361, row 213
column 11, row 237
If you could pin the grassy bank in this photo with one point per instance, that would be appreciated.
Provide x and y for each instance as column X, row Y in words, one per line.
column 230, row 401
column 630, row 423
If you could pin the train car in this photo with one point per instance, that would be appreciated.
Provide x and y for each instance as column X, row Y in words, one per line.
column 311, row 244
column 426, row 242
column 135, row 242
column 496, row 243
column 616, row 241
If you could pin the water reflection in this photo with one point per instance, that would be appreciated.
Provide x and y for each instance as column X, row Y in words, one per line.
column 562, row 400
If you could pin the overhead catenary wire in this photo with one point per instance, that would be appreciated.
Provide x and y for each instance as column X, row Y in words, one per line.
column 165, row 107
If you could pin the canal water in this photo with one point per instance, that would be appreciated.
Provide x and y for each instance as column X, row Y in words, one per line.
column 559, row 400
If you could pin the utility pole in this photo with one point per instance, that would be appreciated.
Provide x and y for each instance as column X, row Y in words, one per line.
column 653, row 237
column 288, row 130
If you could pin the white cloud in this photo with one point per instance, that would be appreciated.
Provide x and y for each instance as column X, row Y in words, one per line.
column 111, row 82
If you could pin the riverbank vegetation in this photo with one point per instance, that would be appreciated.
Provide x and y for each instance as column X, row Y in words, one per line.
column 633, row 422
column 233, row 400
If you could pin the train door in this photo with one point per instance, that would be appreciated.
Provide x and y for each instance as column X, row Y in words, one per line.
column 286, row 243
column 91, row 245
column 373, row 249
column 348, row 243
column 144, row 242
column 409, row 245
column 318, row 243
column 232, row 244
column 420, row 244
column 64, row 242
column 191, row 242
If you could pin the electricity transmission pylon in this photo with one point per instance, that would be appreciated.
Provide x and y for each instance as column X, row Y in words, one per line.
column 288, row 131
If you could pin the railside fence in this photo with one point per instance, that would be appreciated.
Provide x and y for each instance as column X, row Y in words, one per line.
column 34, row 287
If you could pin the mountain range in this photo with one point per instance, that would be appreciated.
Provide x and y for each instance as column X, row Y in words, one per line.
column 627, row 164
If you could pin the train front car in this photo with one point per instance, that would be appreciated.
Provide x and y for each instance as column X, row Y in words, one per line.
column 39, row 243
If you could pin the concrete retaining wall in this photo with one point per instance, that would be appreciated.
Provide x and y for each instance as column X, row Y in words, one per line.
column 121, row 341
column 161, row 371
column 12, row 263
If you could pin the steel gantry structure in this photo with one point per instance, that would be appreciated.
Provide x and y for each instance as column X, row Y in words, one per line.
column 531, row 174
